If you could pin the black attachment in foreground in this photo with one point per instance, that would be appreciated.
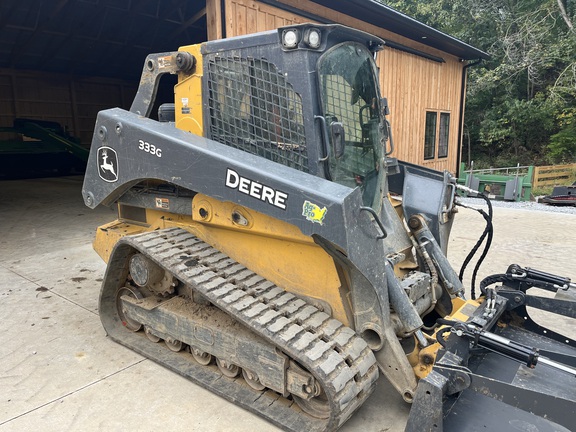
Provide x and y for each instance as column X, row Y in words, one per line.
column 515, row 285
column 498, row 377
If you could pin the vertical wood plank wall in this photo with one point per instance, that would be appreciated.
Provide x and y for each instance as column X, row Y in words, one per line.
column 412, row 84
column 72, row 103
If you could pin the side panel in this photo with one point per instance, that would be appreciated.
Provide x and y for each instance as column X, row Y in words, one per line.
column 129, row 148
column 274, row 249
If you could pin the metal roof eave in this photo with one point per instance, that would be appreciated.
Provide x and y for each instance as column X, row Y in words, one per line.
column 390, row 19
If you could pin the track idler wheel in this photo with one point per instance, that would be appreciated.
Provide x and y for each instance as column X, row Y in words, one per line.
column 150, row 335
column 228, row 369
column 201, row 357
column 127, row 322
column 317, row 406
column 173, row 344
column 252, row 380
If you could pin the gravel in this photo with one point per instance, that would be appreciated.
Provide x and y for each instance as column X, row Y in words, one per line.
column 521, row 205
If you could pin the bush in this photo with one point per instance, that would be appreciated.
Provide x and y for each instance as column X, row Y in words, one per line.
column 562, row 147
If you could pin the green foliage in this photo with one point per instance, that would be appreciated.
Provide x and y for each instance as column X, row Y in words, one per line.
column 520, row 103
column 515, row 129
column 562, row 146
column 544, row 190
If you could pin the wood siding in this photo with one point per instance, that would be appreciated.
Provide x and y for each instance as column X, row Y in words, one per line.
column 74, row 103
column 412, row 84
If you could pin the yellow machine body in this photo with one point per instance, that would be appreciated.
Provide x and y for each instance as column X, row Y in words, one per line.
column 253, row 239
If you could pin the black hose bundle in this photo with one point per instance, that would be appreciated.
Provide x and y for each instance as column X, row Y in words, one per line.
column 487, row 234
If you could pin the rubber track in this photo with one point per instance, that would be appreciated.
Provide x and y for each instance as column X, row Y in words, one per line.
column 340, row 360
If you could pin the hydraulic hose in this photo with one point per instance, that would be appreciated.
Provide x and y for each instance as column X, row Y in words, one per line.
column 487, row 234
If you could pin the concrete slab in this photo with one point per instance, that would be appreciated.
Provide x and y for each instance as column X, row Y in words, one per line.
column 141, row 397
column 44, row 215
column 59, row 372
column 74, row 273
column 49, row 347
column 541, row 240
column 535, row 239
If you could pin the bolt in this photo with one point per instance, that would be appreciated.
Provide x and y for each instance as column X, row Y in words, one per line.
column 118, row 128
column 414, row 222
column 517, row 299
column 102, row 132
column 427, row 359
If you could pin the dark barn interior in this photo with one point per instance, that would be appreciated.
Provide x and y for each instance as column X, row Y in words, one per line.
column 63, row 61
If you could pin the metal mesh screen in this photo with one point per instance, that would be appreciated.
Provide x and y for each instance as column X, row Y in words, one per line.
column 341, row 102
column 253, row 108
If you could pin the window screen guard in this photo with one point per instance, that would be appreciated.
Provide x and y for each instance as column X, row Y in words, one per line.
column 253, row 108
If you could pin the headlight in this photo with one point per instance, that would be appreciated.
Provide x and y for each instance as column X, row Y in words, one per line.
column 290, row 38
column 312, row 38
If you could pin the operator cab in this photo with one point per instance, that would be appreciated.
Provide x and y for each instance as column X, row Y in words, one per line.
column 350, row 100
column 314, row 105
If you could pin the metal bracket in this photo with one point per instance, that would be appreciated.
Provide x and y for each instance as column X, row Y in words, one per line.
column 155, row 66
column 299, row 382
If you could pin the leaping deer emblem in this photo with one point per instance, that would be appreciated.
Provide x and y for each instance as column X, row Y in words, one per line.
column 107, row 166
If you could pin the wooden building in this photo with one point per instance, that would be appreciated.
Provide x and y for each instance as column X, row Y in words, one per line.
column 57, row 66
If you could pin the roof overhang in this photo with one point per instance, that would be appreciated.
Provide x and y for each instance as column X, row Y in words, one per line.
column 383, row 16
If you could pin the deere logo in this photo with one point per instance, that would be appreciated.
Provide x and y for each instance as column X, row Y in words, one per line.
column 107, row 164
column 313, row 213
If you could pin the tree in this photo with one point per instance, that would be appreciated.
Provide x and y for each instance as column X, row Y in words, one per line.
column 562, row 147
column 562, row 5
column 519, row 100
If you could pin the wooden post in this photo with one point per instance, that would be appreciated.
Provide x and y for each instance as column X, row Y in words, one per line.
column 214, row 19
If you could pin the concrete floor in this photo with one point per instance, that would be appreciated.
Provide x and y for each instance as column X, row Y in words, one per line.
column 59, row 371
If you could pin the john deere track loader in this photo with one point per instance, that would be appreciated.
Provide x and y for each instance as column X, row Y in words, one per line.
column 264, row 230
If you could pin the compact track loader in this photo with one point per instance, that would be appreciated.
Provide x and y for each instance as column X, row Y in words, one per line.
column 284, row 259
